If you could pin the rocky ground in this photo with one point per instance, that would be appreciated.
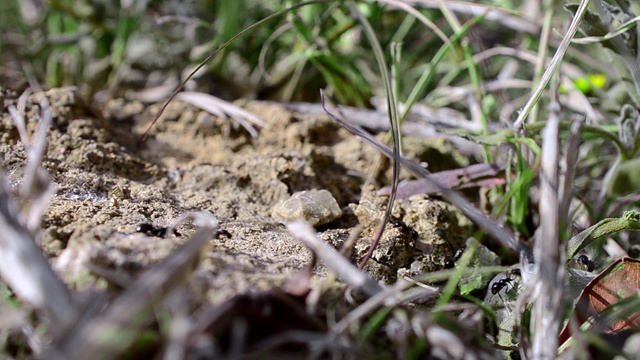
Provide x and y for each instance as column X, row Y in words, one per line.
column 108, row 181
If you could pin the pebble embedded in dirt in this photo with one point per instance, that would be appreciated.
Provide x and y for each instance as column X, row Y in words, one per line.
column 317, row 207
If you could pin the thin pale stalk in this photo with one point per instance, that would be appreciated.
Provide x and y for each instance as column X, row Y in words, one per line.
column 347, row 273
column 553, row 66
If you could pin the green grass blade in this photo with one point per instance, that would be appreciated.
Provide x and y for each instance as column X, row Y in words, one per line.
column 392, row 110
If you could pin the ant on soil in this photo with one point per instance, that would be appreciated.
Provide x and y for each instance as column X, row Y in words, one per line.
column 150, row 230
column 584, row 260
column 405, row 228
column 222, row 232
column 499, row 285
column 161, row 232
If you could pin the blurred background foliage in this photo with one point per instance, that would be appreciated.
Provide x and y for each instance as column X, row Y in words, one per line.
column 108, row 47
column 143, row 49
column 479, row 61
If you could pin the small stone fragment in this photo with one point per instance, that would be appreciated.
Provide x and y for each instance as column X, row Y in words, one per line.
column 317, row 207
column 482, row 257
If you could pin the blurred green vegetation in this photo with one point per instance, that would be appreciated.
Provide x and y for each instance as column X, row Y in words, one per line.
column 103, row 46
column 480, row 60
column 110, row 46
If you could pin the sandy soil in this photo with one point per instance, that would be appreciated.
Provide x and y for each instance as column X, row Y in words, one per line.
column 108, row 181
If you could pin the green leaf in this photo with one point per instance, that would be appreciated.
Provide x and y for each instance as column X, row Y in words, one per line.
column 630, row 220
column 592, row 25
column 620, row 17
column 498, row 138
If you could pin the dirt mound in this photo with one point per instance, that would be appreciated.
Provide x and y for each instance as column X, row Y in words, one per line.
column 108, row 181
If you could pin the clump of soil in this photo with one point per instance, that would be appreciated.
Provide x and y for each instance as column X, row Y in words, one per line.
column 108, row 180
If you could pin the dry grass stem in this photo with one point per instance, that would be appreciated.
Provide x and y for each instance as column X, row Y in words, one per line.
column 569, row 164
column 549, row 267
column 388, row 297
column 492, row 13
column 36, row 186
column 222, row 109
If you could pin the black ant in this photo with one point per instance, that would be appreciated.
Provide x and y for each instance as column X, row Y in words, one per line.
column 150, row 230
column 450, row 264
column 506, row 281
column 634, row 251
column 584, row 260
column 404, row 227
column 222, row 232
column 500, row 284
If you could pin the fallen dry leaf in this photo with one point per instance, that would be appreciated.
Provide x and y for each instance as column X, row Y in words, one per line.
column 619, row 281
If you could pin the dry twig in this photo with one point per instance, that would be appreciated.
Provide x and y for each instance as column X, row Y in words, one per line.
column 348, row 273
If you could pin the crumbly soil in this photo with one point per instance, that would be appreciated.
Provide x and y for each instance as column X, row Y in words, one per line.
column 108, row 180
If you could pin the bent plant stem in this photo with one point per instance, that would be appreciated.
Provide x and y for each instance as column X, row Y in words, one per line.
column 222, row 47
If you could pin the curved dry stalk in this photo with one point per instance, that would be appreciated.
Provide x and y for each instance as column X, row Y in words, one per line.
column 392, row 110
column 500, row 234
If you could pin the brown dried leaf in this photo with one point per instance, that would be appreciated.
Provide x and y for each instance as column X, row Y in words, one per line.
column 619, row 281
